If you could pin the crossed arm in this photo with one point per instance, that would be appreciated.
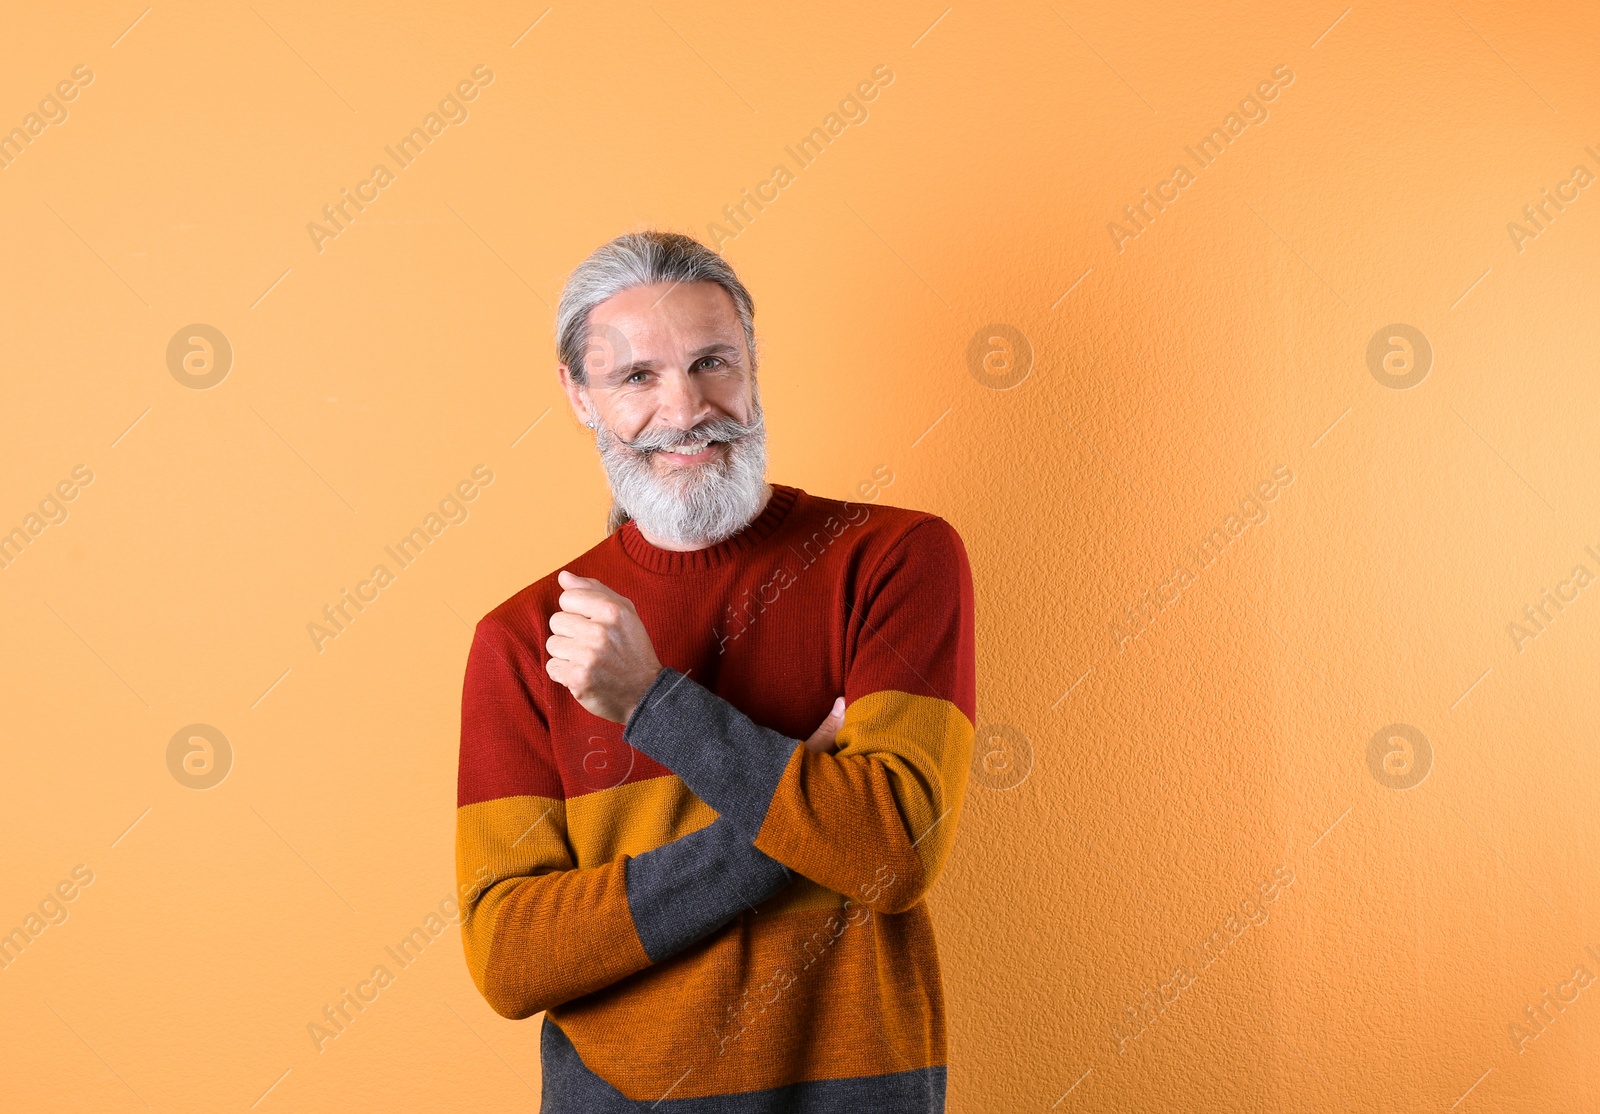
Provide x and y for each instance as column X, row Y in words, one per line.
column 873, row 819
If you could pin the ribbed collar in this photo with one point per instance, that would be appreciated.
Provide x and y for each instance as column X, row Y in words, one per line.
column 762, row 527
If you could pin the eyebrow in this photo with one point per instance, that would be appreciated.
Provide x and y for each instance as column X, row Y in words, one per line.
column 717, row 348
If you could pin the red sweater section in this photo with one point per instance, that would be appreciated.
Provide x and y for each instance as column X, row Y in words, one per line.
column 814, row 599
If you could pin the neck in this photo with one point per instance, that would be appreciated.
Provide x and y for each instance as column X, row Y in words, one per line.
column 685, row 547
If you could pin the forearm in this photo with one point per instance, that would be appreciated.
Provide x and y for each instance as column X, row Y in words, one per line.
column 536, row 942
column 873, row 821
column 682, row 891
column 725, row 758
column 547, row 939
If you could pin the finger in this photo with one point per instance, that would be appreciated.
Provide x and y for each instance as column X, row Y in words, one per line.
column 556, row 669
column 573, row 580
column 570, row 580
column 600, row 604
column 579, row 592
column 823, row 736
column 566, row 674
column 577, row 635
column 821, row 743
column 561, row 648
column 566, row 623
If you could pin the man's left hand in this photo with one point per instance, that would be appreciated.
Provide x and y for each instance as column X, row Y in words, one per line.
column 599, row 648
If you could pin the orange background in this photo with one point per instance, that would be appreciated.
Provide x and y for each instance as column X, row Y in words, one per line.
column 1126, row 797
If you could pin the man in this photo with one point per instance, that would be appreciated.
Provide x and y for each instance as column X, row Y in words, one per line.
column 714, row 915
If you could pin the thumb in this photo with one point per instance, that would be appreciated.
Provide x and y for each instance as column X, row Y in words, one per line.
column 822, row 738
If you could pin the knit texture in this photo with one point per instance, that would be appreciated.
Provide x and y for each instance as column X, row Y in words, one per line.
column 712, row 916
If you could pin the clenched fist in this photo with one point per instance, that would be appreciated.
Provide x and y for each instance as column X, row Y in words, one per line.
column 599, row 648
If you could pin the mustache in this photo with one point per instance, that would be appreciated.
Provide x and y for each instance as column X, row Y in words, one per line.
column 716, row 429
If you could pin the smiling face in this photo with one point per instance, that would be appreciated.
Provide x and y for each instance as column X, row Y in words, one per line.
column 677, row 415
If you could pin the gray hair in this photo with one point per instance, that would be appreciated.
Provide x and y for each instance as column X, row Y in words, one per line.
column 640, row 259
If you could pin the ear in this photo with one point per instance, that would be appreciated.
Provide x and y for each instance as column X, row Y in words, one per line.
column 578, row 398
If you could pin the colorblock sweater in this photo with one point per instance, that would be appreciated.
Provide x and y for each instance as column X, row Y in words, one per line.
column 713, row 917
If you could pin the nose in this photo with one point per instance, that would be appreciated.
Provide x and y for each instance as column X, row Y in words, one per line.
column 683, row 402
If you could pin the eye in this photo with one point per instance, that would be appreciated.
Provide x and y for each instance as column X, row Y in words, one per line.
column 708, row 361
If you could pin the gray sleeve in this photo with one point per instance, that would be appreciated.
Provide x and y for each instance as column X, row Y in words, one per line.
column 725, row 758
column 685, row 890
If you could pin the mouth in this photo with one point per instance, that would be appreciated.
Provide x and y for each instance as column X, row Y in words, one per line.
column 691, row 452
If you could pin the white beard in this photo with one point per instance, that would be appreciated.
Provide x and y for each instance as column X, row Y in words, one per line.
column 699, row 505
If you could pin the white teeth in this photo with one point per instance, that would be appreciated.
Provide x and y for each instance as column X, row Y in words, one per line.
column 689, row 448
